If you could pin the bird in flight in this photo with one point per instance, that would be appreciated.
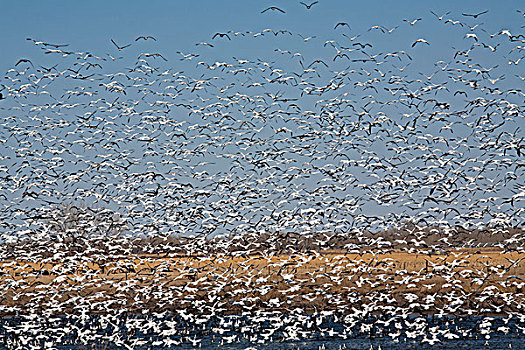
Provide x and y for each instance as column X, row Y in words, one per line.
column 120, row 48
column 56, row 46
column 351, row 38
column 145, row 38
column 309, row 6
column 454, row 22
column 439, row 17
column 115, row 58
column 204, row 44
column 420, row 41
column 220, row 35
column 475, row 15
column 273, row 8
column 24, row 60
column 389, row 31
column 154, row 55
column 305, row 39
column 342, row 24
column 412, row 22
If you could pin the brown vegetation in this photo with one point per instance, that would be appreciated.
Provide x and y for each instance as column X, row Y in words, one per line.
column 425, row 283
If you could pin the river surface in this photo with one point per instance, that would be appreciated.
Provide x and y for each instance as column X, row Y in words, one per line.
column 146, row 332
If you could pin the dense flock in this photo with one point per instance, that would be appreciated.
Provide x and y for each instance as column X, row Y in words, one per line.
column 149, row 201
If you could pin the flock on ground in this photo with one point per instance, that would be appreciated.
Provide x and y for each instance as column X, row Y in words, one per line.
column 322, row 144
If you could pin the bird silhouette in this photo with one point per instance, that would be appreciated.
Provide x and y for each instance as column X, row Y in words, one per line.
column 221, row 35
column 342, row 24
column 120, row 48
column 308, row 7
column 23, row 60
column 476, row 15
column 145, row 38
column 273, row 8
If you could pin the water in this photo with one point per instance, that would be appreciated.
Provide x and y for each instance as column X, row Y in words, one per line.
column 503, row 342
column 249, row 332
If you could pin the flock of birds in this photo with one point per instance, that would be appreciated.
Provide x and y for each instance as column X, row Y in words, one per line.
column 202, row 301
column 347, row 143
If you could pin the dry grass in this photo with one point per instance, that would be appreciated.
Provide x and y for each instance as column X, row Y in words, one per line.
column 250, row 282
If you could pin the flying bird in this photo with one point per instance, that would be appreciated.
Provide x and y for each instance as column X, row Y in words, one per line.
column 272, row 8
column 377, row 27
column 115, row 58
column 351, row 38
column 439, row 17
column 204, row 44
column 145, row 38
column 413, row 21
column 475, row 15
column 454, row 22
column 24, row 60
column 420, row 41
column 471, row 35
column 318, row 61
column 389, row 31
column 309, row 6
column 56, row 46
column 305, row 39
column 340, row 55
column 154, row 55
column 221, row 35
column 120, row 48
column 342, row 24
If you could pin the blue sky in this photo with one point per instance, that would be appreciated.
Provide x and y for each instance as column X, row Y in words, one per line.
column 178, row 25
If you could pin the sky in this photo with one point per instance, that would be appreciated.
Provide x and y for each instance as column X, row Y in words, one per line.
column 178, row 26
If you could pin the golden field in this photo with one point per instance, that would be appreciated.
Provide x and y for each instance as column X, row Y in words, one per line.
column 482, row 279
